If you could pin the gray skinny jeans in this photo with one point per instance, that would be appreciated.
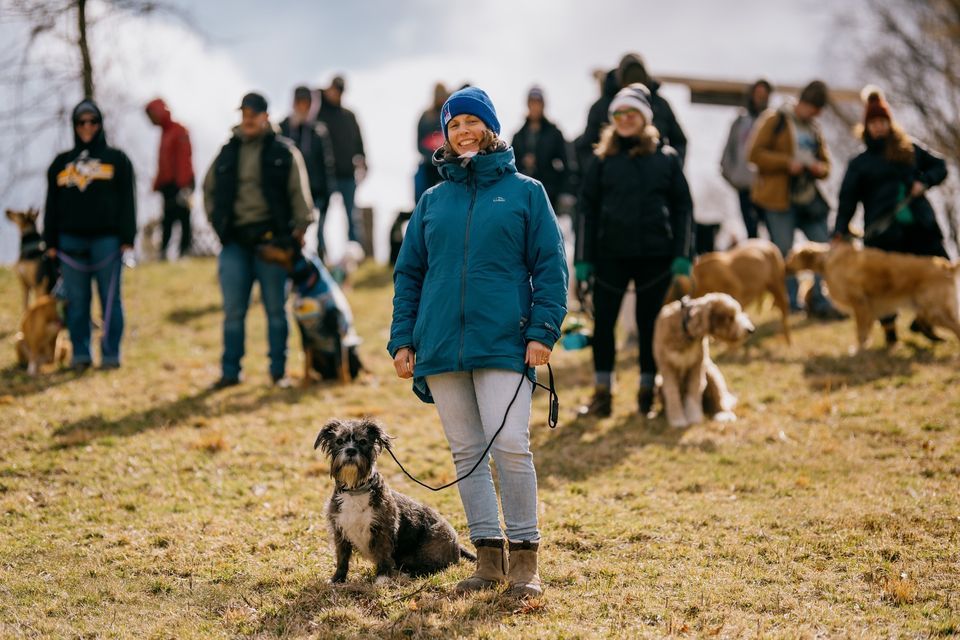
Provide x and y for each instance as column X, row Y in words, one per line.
column 471, row 405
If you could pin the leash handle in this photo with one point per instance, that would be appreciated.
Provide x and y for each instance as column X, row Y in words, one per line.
column 552, row 421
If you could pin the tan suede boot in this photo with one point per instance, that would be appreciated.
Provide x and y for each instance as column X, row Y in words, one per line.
column 524, row 578
column 491, row 566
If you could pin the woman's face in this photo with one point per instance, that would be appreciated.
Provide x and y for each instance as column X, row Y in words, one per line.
column 628, row 122
column 878, row 128
column 465, row 133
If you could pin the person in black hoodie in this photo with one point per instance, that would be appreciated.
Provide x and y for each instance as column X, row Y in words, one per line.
column 635, row 221
column 541, row 150
column 89, row 221
column 630, row 70
column 890, row 178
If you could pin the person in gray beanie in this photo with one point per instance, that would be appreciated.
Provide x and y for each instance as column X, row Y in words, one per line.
column 635, row 223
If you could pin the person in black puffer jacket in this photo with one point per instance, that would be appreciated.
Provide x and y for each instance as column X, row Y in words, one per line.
column 90, row 219
column 541, row 150
column 890, row 170
column 635, row 221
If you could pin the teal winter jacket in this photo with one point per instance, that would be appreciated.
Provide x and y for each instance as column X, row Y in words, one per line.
column 481, row 272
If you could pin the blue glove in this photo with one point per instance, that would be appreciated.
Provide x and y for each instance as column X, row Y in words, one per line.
column 681, row 266
column 583, row 270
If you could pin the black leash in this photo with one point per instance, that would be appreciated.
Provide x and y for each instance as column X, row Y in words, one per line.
column 551, row 421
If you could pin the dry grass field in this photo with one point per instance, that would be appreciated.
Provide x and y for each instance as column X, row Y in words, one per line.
column 138, row 504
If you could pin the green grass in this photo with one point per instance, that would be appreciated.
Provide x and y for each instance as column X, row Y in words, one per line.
column 135, row 503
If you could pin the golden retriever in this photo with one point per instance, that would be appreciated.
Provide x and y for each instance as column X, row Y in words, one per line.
column 690, row 382
column 745, row 272
column 872, row 283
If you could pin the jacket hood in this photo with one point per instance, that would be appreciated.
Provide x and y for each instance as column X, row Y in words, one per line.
column 159, row 111
column 611, row 84
column 100, row 139
column 486, row 167
column 632, row 69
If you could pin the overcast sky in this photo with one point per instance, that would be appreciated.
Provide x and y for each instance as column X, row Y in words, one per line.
column 392, row 53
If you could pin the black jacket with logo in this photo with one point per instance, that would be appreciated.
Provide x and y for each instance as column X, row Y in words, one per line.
column 313, row 141
column 345, row 136
column 90, row 192
column 635, row 207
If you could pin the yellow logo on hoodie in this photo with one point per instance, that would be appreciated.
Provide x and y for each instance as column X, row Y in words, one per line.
column 82, row 171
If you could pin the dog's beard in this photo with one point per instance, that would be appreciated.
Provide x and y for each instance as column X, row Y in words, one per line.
column 350, row 472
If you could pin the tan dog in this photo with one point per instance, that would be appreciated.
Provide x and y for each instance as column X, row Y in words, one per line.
column 31, row 250
column 40, row 340
column 872, row 283
column 691, row 383
column 745, row 272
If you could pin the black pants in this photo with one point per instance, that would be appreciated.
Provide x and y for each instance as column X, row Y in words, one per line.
column 174, row 212
column 752, row 216
column 651, row 279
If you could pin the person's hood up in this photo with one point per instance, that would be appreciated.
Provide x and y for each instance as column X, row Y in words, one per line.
column 159, row 111
column 88, row 106
column 632, row 69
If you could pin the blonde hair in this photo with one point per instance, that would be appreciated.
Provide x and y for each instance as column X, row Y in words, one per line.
column 610, row 141
column 899, row 147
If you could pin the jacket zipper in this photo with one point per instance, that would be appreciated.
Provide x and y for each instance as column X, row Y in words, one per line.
column 463, row 276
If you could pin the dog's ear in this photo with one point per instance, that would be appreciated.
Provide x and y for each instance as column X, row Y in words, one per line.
column 32, row 214
column 377, row 435
column 326, row 436
column 698, row 322
column 12, row 215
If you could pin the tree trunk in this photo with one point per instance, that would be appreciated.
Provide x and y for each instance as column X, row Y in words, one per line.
column 85, row 49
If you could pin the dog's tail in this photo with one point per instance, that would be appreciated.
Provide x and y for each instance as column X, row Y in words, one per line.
column 467, row 554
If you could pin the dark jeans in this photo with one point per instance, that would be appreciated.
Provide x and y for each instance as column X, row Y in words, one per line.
column 651, row 278
column 347, row 187
column 751, row 214
column 91, row 252
column 239, row 267
column 174, row 212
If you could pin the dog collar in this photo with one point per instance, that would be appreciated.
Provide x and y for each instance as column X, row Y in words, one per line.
column 363, row 488
column 685, row 318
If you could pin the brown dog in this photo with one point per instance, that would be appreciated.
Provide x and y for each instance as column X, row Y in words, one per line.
column 691, row 383
column 40, row 340
column 745, row 272
column 31, row 250
column 872, row 283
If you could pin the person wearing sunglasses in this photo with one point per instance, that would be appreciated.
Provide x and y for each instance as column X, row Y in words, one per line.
column 90, row 219
column 635, row 223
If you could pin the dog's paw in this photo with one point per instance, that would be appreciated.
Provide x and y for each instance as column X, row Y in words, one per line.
column 338, row 579
column 382, row 580
column 679, row 423
column 725, row 416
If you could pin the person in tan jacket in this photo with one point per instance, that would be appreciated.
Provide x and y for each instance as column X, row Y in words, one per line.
column 791, row 156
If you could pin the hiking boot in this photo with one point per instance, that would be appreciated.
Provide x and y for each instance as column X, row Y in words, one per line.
column 925, row 329
column 282, row 382
column 645, row 400
column 491, row 566
column 524, row 578
column 601, row 405
column 224, row 382
column 826, row 312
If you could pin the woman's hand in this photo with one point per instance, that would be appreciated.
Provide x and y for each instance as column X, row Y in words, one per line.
column 403, row 362
column 917, row 189
column 537, row 354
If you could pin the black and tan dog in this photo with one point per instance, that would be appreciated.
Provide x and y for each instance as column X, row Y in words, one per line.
column 393, row 531
column 37, row 273
column 323, row 316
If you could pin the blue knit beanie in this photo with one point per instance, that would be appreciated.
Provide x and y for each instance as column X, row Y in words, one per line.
column 473, row 101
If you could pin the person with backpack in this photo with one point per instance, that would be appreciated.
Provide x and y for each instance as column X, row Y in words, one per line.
column 791, row 157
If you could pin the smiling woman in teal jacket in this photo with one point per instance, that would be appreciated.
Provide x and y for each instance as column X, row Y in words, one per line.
column 480, row 290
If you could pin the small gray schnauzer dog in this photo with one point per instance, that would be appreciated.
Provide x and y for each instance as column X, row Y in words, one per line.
column 393, row 531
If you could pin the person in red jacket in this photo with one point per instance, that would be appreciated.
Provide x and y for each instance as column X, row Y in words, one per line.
column 174, row 181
